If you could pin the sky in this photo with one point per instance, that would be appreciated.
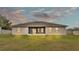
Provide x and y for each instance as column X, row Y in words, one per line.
column 60, row 15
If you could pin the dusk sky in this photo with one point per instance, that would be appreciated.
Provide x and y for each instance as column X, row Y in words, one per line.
column 60, row 15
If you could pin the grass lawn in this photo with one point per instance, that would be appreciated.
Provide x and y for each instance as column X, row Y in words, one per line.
column 39, row 43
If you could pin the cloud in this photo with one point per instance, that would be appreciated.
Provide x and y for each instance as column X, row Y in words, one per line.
column 13, row 14
column 53, row 13
column 70, row 10
column 39, row 10
column 18, row 11
column 41, row 15
column 17, row 16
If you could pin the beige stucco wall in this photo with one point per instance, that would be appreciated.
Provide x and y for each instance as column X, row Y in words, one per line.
column 75, row 32
column 19, row 31
column 55, row 31
column 49, row 31
column 52, row 31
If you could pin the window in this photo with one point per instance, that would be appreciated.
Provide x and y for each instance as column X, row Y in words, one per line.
column 36, row 30
column 56, row 29
column 40, row 30
column 30, row 30
column 18, row 30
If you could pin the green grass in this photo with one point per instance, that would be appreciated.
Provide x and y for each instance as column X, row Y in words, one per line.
column 39, row 43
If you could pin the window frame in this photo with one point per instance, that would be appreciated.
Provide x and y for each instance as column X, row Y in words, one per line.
column 38, row 30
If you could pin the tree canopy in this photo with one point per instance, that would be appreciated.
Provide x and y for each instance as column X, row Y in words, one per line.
column 4, row 22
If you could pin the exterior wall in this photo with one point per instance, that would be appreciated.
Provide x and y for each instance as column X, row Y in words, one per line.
column 55, row 31
column 48, row 31
column 0, row 30
column 6, row 31
column 75, row 32
column 19, row 31
column 70, row 32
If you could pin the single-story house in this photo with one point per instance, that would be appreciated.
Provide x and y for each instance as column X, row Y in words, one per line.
column 76, row 31
column 70, row 31
column 39, row 28
column 73, row 31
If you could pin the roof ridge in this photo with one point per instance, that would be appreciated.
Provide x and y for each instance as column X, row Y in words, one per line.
column 50, row 23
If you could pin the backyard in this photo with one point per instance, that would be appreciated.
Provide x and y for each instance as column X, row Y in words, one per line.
column 39, row 43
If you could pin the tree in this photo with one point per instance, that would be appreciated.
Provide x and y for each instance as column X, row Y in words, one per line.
column 4, row 23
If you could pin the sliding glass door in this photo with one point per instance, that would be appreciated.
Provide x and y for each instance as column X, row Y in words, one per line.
column 36, row 30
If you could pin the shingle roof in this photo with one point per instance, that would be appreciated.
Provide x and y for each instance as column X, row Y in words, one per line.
column 77, row 29
column 74, row 29
column 39, row 23
column 70, row 29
